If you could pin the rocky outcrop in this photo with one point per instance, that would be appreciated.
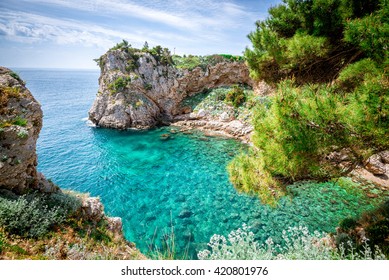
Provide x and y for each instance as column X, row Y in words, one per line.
column 20, row 124
column 230, row 128
column 140, row 90
column 378, row 164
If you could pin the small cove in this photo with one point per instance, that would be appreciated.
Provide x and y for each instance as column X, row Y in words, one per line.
column 159, row 185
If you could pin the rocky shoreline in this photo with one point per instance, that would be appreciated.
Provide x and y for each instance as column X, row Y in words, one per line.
column 231, row 129
column 20, row 124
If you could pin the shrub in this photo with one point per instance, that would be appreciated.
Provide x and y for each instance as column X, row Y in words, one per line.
column 119, row 84
column 354, row 74
column 236, row 96
column 2, row 241
column 303, row 49
column 370, row 34
column 348, row 223
column 302, row 125
column 247, row 173
column 20, row 121
column 298, row 244
column 17, row 77
column 378, row 232
column 33, row 215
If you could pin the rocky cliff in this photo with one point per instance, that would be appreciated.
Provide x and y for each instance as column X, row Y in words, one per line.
column 20, row 124
column 139, row 89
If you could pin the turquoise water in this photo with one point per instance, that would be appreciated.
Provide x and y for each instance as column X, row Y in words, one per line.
column 159, row 185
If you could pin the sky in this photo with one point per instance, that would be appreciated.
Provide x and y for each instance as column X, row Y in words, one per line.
column 71, row 33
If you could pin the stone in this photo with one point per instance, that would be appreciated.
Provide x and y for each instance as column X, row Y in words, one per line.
column 201, row 113
column 115, row 225
column 224, row 117
column 375, row 165
column 46, row 186
column 185, row 214
column 384, row 156
column 92, row 209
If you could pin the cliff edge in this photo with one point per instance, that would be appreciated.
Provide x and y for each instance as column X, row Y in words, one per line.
column 34, row 208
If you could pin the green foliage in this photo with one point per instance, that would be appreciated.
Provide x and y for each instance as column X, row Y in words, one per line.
column 302, row 124
column 312, row 42
column 33, row 215
column 20, row 121
column 248, row 175
column 119, row 84
column 348, row 223
column 367, row 113
column 147, row 86
column 2, row 241
column 370, row 34
column 303, row 49
column 162, row 54
column 190, row 62
column 145, row 47
column 16, row 121
column 304, row 37
column 297, row 244
column 354, row 74
column 236, row 96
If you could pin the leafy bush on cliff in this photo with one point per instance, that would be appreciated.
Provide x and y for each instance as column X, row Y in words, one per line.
column 33, row 215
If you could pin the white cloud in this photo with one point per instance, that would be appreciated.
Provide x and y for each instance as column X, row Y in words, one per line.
column 195, row 15
column 92, row 26
column 29, row 28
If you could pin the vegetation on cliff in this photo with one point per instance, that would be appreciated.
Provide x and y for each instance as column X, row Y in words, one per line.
column 164, row 56
column 329, row 63
column 55, row 226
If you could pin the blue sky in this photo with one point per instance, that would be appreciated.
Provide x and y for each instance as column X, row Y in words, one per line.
column 70, row 33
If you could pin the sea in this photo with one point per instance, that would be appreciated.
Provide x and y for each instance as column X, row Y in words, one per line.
column 173, row 193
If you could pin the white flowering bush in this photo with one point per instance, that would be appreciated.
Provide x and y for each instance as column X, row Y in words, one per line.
column 298, row 244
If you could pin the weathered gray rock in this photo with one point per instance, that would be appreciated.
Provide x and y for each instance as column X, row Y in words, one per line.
column 92, row 209
column 375, row 164
column 20, row 124
column 137, row 90
column 115, row 225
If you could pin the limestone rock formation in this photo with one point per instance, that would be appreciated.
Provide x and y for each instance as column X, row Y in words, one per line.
column 140, row 90
column 20, row 124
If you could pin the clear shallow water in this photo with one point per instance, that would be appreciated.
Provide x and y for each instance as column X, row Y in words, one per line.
column 155, row 184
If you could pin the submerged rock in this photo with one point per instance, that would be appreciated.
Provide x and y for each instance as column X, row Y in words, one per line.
column 185, row 214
